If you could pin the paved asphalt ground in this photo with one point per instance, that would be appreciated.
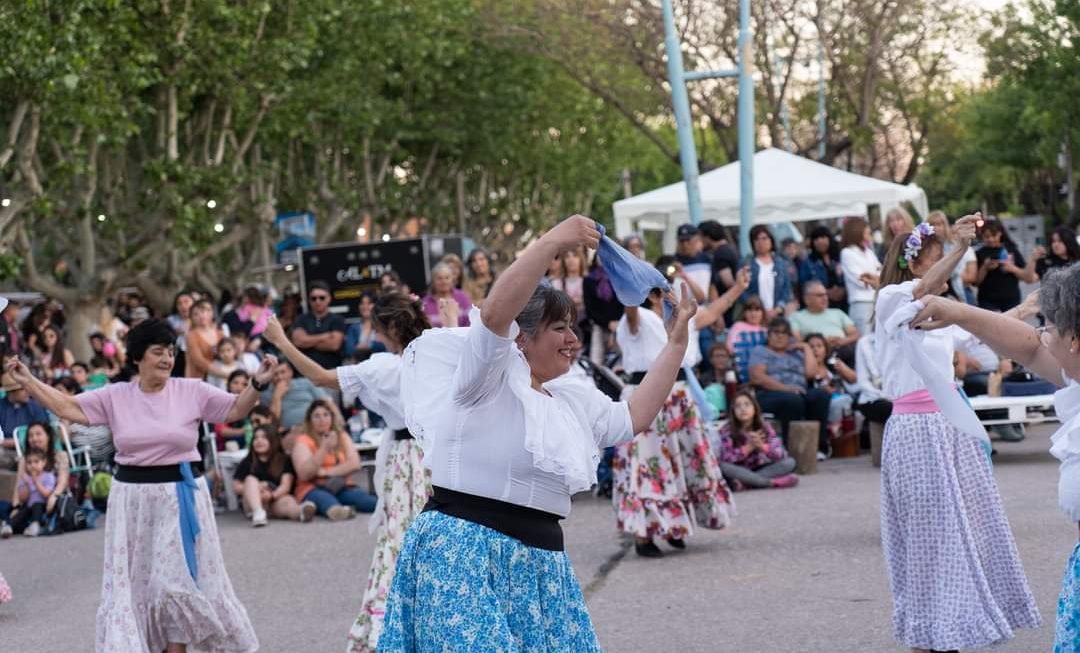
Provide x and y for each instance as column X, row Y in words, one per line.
column 799, row 571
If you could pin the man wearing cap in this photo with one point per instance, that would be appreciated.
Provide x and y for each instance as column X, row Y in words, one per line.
column 17, row 409
column 695, row 263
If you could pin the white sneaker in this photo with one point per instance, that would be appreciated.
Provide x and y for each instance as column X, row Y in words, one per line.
column 32, row 530
column 821, row 456
column 5, row 531
column 258, row 518
column 307, row 511
column 340, row 513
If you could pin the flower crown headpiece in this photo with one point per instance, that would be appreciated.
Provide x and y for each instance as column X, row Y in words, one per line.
column 914, row 243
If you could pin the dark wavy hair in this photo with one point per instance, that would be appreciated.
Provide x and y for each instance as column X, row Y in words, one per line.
column 276, row 465
column 1067, row 236
column 50, row 448
column 823, row 232
column 546, row 305
column 401, row 316
column 146, row 334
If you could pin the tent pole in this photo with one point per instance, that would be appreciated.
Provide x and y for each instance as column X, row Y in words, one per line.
column 746, row 128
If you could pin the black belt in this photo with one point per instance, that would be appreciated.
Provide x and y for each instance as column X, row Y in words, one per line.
column 152, row 473
column 403, row 434
column 637, row 377
column 532, row 527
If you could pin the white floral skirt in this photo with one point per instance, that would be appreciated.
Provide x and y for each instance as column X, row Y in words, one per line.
column 404, row 491
column 148, row 598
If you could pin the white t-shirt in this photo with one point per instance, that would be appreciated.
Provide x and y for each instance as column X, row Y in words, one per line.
column 639, row 350
column 856, row 261
column 766, row 284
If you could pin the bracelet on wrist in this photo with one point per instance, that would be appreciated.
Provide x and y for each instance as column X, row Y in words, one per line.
column 259, row 387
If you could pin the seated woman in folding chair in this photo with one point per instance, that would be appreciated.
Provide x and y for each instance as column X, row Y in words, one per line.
column 38, row 436
column 157, row 595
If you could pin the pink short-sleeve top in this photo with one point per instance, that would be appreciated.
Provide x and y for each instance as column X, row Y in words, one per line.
column 158, row 428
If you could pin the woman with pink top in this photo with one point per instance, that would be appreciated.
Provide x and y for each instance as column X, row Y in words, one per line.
column 164, row 587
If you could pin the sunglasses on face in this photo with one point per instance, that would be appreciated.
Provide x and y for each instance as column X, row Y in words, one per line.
column 318, row 298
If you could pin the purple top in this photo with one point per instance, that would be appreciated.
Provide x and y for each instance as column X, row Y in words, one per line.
column 160, row 428
column 431, row 307
column 773, row 452
column 48, row 479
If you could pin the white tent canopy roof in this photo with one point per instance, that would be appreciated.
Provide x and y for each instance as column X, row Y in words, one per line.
column 787, row 188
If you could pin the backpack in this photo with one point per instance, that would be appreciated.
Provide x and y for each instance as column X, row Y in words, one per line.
column 67, row 516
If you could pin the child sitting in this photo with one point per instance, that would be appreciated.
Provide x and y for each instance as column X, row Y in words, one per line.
column 751, row 454
column 265, row 480
column 35, row 486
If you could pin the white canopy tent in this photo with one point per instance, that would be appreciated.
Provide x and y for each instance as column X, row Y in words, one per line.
column 787, row 188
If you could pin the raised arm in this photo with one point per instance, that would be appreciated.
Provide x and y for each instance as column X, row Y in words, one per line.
column 1006, row 335
column 963, row 232
column 59, row 404
column 710, row 314
column 515, row 286
column 311, row 370
column 650, row 395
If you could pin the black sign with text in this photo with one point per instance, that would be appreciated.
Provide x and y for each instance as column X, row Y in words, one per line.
column 352, row 269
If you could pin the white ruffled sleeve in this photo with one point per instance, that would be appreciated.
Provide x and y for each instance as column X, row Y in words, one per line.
column 376, row 382
column 484, row 361
column 1066, row 440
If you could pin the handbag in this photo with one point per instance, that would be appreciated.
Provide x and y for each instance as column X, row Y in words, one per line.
column 334, row 484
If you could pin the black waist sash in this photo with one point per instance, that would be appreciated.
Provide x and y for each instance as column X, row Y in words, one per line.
column 403, row 434
column 152, row 473
column 637, row 377
column 532, row 527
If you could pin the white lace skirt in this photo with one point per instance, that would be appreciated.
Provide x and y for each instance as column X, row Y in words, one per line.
column 148, row 598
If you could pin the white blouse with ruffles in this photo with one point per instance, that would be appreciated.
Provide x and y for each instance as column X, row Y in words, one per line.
column 377, row 383
column 1066, row 447
column 484, row 431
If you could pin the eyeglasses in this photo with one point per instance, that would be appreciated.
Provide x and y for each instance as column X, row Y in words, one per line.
column 319, row 298
column 779, row 333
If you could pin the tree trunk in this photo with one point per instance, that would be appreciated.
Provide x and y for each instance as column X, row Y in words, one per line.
column 82, row 320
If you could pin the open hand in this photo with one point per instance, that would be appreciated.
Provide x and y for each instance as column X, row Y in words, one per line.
column 449, row 312
column 678, row 331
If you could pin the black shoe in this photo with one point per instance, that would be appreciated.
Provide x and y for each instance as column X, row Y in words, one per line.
column 677, row 543
column 648, row 550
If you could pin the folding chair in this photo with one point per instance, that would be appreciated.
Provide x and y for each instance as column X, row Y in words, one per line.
column 78, row 458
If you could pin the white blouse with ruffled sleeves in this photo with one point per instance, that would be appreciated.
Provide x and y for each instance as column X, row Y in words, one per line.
column 484, row 431
column 377, row 383
column 1066, row 447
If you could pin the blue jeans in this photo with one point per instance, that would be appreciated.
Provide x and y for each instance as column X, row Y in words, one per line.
column 350, row 496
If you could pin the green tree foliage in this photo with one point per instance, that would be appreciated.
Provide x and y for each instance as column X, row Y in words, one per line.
column 151, row 142
column 1002, row 145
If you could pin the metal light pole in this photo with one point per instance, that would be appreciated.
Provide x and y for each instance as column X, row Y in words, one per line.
column 681, row 103
column 821, row 100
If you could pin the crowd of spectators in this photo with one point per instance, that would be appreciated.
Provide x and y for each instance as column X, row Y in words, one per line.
column 797, row 346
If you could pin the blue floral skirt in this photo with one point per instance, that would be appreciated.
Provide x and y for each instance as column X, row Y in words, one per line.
column 463, row 587
column 1068, row 611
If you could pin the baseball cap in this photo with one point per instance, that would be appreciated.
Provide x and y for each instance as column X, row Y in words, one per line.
column 686, row 231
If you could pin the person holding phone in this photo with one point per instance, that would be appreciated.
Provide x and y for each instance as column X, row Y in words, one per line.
column 1001, row 268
